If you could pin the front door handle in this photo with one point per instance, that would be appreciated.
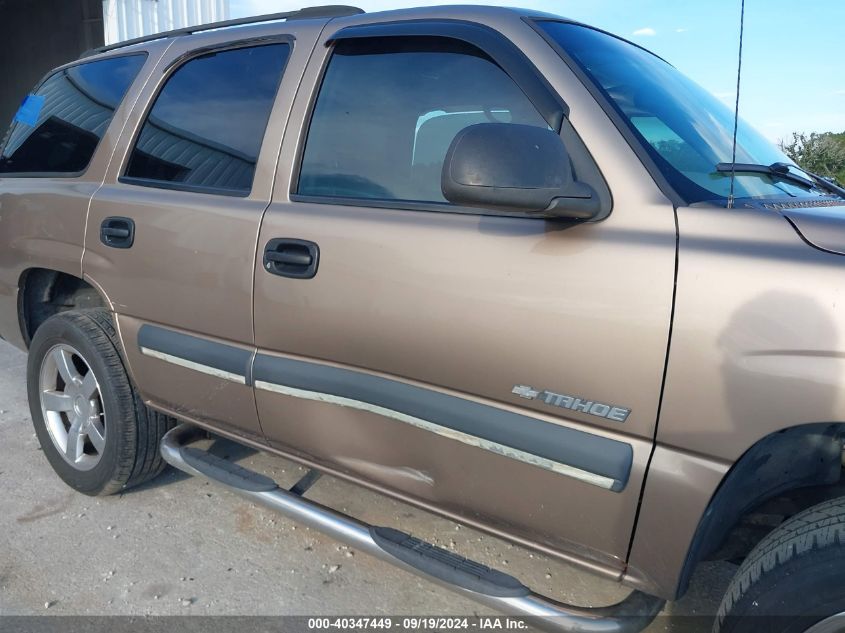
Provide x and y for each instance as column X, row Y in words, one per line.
column 117, row 232
column 293, row 258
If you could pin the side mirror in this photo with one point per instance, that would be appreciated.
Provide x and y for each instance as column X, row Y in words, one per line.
column 513, row 167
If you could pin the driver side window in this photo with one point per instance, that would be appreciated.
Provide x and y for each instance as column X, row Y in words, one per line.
column 388, row 110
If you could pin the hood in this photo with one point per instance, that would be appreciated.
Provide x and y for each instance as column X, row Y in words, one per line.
column 821, row 225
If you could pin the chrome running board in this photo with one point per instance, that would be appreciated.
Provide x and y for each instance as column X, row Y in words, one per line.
column 473, row 580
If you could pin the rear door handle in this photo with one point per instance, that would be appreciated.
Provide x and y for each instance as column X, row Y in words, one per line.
column 290, row 257
column 117, row 232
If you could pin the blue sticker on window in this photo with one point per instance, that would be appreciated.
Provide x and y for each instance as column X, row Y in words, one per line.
column 30, row 109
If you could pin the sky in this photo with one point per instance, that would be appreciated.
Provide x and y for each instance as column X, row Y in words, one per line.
column 793, row 79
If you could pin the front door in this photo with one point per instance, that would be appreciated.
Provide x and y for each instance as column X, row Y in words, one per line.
column 503, row 370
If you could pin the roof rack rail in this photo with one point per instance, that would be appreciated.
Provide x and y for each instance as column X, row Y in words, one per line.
column 326, row 11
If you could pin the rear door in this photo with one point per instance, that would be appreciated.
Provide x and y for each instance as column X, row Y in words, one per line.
column 171, row 234
column 504, row 370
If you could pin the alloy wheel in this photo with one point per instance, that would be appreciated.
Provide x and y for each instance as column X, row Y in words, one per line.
column 72, row 407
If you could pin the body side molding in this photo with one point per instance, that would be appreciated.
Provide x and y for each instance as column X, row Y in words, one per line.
column 208, row 357
column 591, row 458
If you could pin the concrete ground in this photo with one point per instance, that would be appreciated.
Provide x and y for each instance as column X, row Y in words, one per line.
column 179, row 546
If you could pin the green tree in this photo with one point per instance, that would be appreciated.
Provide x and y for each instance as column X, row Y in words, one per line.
column 823, row 154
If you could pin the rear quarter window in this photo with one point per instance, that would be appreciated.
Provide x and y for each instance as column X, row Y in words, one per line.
column 73, row 108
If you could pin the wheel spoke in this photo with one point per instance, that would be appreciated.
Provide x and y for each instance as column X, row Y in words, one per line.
column 96, row 433
column 89, row 385
column 75, row 441
column 67, row 370
column 56, row 401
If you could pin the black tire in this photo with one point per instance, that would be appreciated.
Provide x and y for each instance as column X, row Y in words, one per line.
column 793, row 579
column 132, row 431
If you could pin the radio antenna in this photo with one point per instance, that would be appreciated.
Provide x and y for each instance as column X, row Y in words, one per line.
column 736, row 105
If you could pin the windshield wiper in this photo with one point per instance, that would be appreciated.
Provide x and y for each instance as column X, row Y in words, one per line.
column 781, row 171
column 826, row 183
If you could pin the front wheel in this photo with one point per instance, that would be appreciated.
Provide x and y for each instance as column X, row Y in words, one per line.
column 93, row 428
column 794, row 580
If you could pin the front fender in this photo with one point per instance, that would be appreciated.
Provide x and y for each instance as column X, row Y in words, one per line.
column 757, row 347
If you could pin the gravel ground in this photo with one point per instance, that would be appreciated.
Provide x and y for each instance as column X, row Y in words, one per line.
column 179, row 546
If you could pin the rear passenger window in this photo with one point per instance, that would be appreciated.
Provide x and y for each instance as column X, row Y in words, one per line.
column 205, row 128
column 388, row 110
column 67, row 116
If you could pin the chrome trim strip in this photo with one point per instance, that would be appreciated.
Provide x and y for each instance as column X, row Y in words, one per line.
column 594, row 459
column 206, row 356
column 522, row 436
column 189, row 364
column 471, row 440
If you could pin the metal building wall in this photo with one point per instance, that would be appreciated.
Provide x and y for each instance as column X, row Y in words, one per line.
column 125, row 19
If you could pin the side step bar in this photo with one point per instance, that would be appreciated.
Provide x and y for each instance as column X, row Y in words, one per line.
column 478, row 582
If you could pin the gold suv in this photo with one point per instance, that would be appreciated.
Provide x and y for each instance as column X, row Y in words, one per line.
column 495, row 263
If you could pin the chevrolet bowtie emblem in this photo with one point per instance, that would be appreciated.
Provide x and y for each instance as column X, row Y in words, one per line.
column 524, row 391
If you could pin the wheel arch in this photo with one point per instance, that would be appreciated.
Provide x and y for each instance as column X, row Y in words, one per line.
column 43, row 292
column 787, row 460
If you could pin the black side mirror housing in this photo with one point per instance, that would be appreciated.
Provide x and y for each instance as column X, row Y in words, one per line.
column 514, row 167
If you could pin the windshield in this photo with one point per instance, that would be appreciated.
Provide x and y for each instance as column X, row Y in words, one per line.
column 685, row 129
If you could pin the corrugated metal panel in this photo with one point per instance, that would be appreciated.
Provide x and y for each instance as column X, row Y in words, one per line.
column 125, row 19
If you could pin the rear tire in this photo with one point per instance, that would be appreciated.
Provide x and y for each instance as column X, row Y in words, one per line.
column 794, row 580
column 91, row 423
